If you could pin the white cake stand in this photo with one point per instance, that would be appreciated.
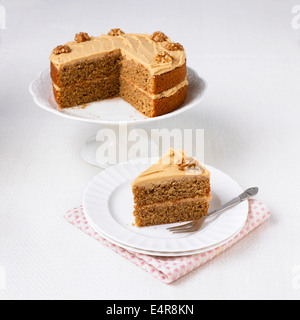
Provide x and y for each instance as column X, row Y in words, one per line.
column 114, row 114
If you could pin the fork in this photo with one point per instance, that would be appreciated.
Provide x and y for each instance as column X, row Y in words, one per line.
column 196, row 225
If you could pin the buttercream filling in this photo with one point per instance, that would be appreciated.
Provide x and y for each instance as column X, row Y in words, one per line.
column 164, row 94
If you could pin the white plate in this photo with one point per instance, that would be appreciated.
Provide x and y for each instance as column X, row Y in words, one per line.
column 112, row 111
column 108, row 205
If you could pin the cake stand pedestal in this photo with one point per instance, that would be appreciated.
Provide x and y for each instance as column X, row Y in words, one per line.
column 114, row 144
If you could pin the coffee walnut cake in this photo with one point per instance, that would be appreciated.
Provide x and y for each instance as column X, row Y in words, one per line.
column 148, row 71
column 175, row 189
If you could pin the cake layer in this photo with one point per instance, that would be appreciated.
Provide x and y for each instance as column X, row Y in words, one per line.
column 87, row 69
column 112, row 63
column 145, row 103
column 137, row 73
column 171, row 211
column 171, row 190
column 88, row 91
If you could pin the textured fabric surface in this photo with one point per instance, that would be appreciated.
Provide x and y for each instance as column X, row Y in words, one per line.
column 169, row 269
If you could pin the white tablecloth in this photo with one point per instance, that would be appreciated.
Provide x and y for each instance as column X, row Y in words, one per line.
column 249, row 54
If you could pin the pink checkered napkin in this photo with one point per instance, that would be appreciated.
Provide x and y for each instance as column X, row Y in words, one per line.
column 169, row 269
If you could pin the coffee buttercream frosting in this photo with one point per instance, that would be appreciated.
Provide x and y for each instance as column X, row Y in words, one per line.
column 139, row 47
column 172, row 165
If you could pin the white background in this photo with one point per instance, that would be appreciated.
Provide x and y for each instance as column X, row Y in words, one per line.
column 248, row 53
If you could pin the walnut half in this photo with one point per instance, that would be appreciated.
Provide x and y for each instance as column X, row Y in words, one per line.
column 171, row 46
column 159, row 36
column 164, row 57
column 62, row 49
column 116, row 32
column 186, row 162
column 81, row 37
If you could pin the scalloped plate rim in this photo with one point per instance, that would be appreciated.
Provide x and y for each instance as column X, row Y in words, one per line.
column 161, row 253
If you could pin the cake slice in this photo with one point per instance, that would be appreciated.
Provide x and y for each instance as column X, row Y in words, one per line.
column 175, row 189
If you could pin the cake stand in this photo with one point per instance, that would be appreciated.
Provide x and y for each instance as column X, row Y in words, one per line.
column 117, row 119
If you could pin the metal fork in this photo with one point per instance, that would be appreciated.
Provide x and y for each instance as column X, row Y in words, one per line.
column 196, row 225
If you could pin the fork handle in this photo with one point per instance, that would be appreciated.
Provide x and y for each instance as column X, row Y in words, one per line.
column 242, row 197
